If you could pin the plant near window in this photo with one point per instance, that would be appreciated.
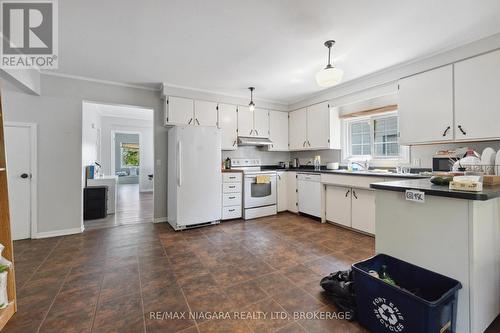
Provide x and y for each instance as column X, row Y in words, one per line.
column 130, row 155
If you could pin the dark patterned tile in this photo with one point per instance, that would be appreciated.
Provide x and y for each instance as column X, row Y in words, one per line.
column 122, row 314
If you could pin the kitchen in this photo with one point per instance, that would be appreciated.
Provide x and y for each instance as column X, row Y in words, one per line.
column 284, row 158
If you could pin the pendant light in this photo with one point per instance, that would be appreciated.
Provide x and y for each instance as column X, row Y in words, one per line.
column 251, row 105
column 329, row 76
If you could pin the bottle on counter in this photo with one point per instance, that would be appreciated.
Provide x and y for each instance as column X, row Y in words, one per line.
column 227, row 163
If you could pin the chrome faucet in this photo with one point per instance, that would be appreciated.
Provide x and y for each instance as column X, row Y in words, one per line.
column 364, row 165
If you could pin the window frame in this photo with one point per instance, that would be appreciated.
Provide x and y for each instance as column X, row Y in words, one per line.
column 347, row 153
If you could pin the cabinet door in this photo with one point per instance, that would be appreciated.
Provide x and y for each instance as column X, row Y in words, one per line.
column 282, row 191
column 291, row 184
column 363, row 210
column 297, row 127
column 278, row 130
column 228, row 123
column 245, row 121
column 426, row 107
column 205, row 113
column 338, row 205
column 477, row 97
column 261, row 123
column 318, row 126
column 180, row 111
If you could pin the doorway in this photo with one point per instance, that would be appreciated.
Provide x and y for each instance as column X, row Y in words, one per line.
column 20, row 150
column 117, row 141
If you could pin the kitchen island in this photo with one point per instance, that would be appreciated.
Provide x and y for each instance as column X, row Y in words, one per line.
column 454, row 233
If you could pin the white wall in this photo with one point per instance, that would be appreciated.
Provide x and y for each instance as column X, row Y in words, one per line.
column 58, row 113
column 91, row 125
column 146, row 149
column 27, row 80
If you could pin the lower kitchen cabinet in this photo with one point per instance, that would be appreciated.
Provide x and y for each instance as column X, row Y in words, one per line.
column 282, row 191
column 291, row 187
column 338, row 205
column 363, row 210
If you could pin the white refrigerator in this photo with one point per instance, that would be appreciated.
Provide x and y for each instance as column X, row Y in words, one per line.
column 194, row 176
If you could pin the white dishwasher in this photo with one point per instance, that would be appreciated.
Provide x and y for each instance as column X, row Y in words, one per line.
column 309, row 193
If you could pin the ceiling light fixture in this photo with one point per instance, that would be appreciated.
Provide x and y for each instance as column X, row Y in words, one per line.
column 251, row 105
column 329, row 76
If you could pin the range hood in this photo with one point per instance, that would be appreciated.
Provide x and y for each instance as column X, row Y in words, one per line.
column 251, row 141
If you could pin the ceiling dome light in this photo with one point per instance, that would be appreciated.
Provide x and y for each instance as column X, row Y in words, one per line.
column 251, row 105
column 329, row 76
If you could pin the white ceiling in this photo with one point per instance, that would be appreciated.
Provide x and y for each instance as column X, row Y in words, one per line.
column 277, row 46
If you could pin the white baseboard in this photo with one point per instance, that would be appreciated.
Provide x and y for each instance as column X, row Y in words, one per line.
column 55, row 233
column 160, row 219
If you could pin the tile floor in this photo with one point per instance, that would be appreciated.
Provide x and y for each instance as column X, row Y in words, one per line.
column 117, row 279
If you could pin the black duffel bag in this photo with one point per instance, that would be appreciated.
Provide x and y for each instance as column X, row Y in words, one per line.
column 339, row 287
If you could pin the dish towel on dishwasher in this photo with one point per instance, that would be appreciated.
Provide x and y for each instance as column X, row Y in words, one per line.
column 262, row 179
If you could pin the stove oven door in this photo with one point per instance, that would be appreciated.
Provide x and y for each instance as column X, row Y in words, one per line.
column 258, row 195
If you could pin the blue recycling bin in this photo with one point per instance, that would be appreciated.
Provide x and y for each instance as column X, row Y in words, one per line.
column 423, row 301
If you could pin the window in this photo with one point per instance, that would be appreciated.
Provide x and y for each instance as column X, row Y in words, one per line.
column 129, row 154
column 374, row 137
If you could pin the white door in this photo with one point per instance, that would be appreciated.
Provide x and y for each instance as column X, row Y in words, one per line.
column 363, row 210
column 245, row 121
column 228, row 123
column 180, row 111
column 282, row 191
column 426, row 107
column 199, row 188
column 291, row 187
column 318, row 126
column 338, row 205
column 205, row 113
column 18, row 154
column 297, row 135
column 278, row 130
column 477, row 87
column 261, row 123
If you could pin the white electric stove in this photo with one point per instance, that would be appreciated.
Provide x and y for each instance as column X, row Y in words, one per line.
column 258, row 199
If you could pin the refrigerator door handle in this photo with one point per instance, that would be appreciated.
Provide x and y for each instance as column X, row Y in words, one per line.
column 179, row 164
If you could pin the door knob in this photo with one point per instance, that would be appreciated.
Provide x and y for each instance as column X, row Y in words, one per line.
column 24, row 175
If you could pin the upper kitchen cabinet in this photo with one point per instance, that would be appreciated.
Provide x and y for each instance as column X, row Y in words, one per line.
column 253, row 123
column 477, row 97
column 297, row 126
column 318, row 126
column 245, row 121
column 205, row 113
column 426, row 107
column 228, row 123
column 261, row 123
column 315, row 127
column 278, row 130
column 179, row 111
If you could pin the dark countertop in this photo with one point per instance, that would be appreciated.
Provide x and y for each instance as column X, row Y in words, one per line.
column 488, row 192
column 345, row 172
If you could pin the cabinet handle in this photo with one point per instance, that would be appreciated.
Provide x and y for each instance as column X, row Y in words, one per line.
column 232, row 177
column 231, row 210
column 462, row 130
column 251, row 131
column 197, row 121
column 446, row 130
column 232, row 186
column 304, row 144
column 256, row 132
column 354, row 193
column 232, row 197
column 234, row 143
column 308, row 143
column 347, row 193
column 190, row 120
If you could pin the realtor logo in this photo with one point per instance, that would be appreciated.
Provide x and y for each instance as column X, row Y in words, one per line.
column 29, row 34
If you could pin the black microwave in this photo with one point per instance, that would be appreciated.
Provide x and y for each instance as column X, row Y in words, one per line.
column 442, row 163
